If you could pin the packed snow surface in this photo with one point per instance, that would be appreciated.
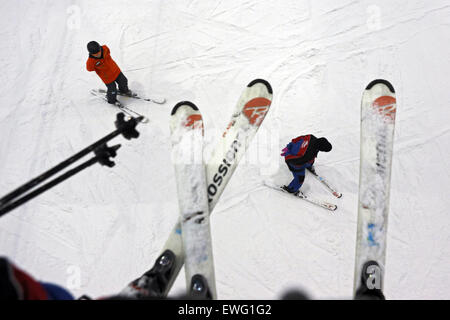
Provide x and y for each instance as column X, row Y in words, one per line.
column 104, row 227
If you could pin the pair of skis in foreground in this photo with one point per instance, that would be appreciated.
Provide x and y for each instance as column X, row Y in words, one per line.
column 199, row 187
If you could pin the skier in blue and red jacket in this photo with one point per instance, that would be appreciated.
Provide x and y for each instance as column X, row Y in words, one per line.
column 300, row 155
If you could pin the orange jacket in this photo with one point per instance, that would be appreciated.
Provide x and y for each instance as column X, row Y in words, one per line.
column 104, row 66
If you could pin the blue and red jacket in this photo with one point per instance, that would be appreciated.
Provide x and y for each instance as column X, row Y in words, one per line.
column 300, row 151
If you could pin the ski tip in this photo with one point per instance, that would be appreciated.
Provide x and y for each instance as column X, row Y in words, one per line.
column 264, row 82
column 382, row 81
column 183, row 103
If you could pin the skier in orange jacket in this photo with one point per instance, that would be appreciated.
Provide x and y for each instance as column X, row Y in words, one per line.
column 101, row 62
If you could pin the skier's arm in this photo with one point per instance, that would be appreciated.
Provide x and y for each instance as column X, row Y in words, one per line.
column 296, row 162
column 106, row 51
column 90, row 65
column 309, row 155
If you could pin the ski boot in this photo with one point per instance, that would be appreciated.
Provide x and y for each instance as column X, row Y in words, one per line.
column 287, row 189
column 128, row 93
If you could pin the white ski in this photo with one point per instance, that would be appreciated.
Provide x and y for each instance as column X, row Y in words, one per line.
column 130, row 112
column 300, row 195
column 186, row 126
column 134, row 95
column 378, row 109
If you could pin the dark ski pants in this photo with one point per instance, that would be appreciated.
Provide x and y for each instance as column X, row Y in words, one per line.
column 111, row 94
column 299, row 176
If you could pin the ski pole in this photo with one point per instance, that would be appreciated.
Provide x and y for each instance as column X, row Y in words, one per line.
column 126, row 128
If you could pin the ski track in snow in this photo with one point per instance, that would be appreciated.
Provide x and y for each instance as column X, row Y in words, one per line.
column 106, row 226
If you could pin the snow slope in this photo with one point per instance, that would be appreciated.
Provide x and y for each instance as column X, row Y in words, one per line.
column 106, row 226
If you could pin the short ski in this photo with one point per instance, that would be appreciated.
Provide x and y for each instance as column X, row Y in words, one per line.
column 134, row 95
column 300, row 195
column 325, row 183
column 131, row 113
column 247, row 117
column 378, row 110
column 186, row 127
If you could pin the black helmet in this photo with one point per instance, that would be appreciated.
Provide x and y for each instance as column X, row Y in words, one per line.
column 93, row 47
column 323, row 145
